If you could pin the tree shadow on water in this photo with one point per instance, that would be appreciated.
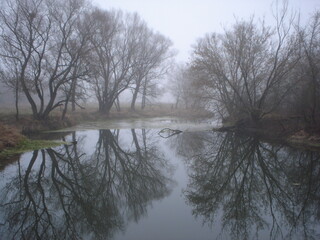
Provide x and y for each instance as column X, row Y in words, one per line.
column 64, row 193
column 254, row 189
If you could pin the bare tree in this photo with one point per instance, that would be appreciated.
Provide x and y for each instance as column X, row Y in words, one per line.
column 49, row 49
column 9, row 77
column 308, row 96
column 111, row 62
column 165, row 57
column 247, row 181
column 40, row 38
column 247, row 69
column 152, row 61
column 75, row 91
column 184, row 88
column 126, row 54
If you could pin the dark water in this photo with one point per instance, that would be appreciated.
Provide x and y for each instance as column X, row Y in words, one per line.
column 134, row 184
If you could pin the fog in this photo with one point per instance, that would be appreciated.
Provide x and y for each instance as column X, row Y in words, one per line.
column 184, row 21
column 230, row 57
column 177, row 119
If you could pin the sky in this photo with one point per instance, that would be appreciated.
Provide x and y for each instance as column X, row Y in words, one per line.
column 184, row 21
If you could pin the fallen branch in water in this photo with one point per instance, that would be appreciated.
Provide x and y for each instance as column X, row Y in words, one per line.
column 170, row 132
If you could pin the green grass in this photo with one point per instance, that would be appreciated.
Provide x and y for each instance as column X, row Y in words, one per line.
column 29, row 145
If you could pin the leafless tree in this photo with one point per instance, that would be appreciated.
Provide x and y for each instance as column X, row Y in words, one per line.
column 114, row 43
column 184, row 88
column 9, row 78
column 307, row 96
column 50, row 49
column 126, row 54
column 250, row 183
column 247, row 70
column 40, row 38
column 152, row 61
column 75, row 91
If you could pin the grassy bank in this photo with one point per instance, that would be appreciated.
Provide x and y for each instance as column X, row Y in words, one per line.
column 12, row 142
column 27, row 145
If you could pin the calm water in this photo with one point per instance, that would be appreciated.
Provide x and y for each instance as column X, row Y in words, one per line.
column 134, row 184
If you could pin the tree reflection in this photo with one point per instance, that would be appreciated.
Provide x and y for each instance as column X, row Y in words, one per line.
column 64, row 193
column 257, row 187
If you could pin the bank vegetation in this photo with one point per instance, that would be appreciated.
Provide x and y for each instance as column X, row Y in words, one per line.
column 254, row 76
column 257, row 77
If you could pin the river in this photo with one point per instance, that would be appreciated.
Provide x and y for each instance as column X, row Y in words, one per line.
column 130, row 180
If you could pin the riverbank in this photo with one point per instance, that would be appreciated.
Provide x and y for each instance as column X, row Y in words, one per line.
column 291, row 130
column 10, row 137
column 14, row 133
column 12, row 142
column 26, row 125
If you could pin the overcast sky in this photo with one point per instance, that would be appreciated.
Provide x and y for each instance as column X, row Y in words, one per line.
column 183, row 21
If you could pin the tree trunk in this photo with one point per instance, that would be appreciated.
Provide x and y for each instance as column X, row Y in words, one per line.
column 136, row 143
column 104, row 108
column 144, row 96
column 134, row 98
column 17, row 101
column 65, row 109
column 177, row 102
column 30, row 100
column 255, row 115
column 73, row 97
column 117, row 104
column 314, row 101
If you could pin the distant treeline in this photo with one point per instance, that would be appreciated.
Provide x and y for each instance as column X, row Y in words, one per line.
column 252, row 70
column 58, row 53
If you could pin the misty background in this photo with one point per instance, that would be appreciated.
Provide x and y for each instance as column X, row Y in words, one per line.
column 182, row 25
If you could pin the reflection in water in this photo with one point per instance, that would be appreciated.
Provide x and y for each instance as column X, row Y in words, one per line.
column 252, row 188
column 64, row 193
column 92, row 189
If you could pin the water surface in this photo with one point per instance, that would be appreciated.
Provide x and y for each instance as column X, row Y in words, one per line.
column 128, row 182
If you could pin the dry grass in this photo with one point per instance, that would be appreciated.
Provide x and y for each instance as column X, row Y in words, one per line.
column 26, row 124
column 90, row 113
column 9, row 137
column 156, row 110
